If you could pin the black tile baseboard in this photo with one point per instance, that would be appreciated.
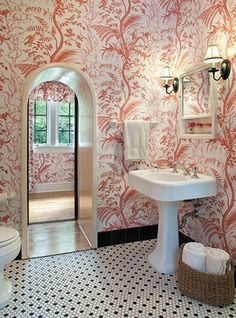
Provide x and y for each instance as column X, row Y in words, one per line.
column 118, row 237
column 132, row 235
column 104, row 238
column 127, row 235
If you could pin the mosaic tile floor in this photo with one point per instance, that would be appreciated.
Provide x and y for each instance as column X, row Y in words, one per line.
column 116, row 281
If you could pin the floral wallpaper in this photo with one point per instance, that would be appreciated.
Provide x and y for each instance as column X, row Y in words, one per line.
column 52, row 168
column 52, row 91
column 122, row 46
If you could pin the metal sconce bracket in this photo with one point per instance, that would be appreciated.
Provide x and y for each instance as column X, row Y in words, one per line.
column 224, row 70
column 175, row 86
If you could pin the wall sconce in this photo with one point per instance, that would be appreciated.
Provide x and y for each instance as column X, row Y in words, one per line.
column 213, row 56
column 167, row 75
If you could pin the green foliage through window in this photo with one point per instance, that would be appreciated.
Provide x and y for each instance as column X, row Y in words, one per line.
column 63, row 124
column 66, row 123
column 40, row 122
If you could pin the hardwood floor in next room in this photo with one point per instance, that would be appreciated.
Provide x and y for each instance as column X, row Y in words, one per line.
column 52, row 206
column 58, row 234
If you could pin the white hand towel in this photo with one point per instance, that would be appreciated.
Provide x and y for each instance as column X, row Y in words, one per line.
column 136, row 134
column 216, row 261
column 194, row 255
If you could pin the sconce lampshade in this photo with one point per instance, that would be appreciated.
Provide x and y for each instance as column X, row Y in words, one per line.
column 166, row 73
column 213, row 54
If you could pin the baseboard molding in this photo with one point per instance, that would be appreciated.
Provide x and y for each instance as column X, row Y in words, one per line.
column 133, row 234
column 54, row 187
column 127, row 235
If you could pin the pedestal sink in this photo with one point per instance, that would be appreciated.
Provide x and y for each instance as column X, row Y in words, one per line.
column 169, row 189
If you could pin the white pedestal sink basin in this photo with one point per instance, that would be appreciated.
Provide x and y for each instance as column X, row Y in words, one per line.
column 169, row 189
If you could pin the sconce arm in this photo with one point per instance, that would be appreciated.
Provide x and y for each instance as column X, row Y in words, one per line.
column 175, row 86
column 214, row 70
column 224, row 70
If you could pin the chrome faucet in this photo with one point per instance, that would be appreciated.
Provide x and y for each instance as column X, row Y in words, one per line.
column 195, row 173
column 185, row 170
column 174, row 170
column 154, row 167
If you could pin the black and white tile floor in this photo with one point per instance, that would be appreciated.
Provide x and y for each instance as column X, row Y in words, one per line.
column 116, row 281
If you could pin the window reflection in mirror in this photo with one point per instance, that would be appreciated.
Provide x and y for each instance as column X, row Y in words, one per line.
column 196, row 93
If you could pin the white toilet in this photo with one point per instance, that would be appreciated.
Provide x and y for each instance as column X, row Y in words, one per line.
column 10, row 244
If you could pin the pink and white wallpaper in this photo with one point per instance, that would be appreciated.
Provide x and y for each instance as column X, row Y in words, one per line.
column 52, row 91
column 48, row 168
column 122, row 46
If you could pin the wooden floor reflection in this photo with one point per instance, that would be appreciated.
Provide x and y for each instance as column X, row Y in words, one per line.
column 58, row 235
column 56, row 238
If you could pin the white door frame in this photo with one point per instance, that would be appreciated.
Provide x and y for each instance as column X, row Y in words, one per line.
column 72, row 76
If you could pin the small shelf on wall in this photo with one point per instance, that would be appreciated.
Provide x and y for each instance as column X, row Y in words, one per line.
column 193, row 116
column 197, row 117
column 198, row 127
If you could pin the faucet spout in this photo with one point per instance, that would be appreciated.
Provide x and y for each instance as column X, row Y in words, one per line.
column 177, row 164
column 154, row 167
column 174, row 170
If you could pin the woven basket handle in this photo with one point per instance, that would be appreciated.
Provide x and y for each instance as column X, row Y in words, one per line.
column 179, row 258
column 229, row 266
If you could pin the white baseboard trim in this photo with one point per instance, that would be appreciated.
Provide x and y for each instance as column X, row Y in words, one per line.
column 53, row 187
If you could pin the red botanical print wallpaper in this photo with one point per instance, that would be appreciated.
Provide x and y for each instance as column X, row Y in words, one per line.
column 51, row 168
column 122, row 46
column 52, row 91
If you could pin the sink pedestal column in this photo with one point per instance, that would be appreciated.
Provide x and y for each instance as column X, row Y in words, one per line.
column 164, row 256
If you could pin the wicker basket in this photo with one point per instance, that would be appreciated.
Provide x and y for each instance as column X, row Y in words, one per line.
column 213, row 289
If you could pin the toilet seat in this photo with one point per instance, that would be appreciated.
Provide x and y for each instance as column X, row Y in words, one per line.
column 7, row 236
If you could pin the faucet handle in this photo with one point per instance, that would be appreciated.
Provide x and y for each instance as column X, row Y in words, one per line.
column 174, row 170
column 155, row 166
column 195, row 173
column 187, row 172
